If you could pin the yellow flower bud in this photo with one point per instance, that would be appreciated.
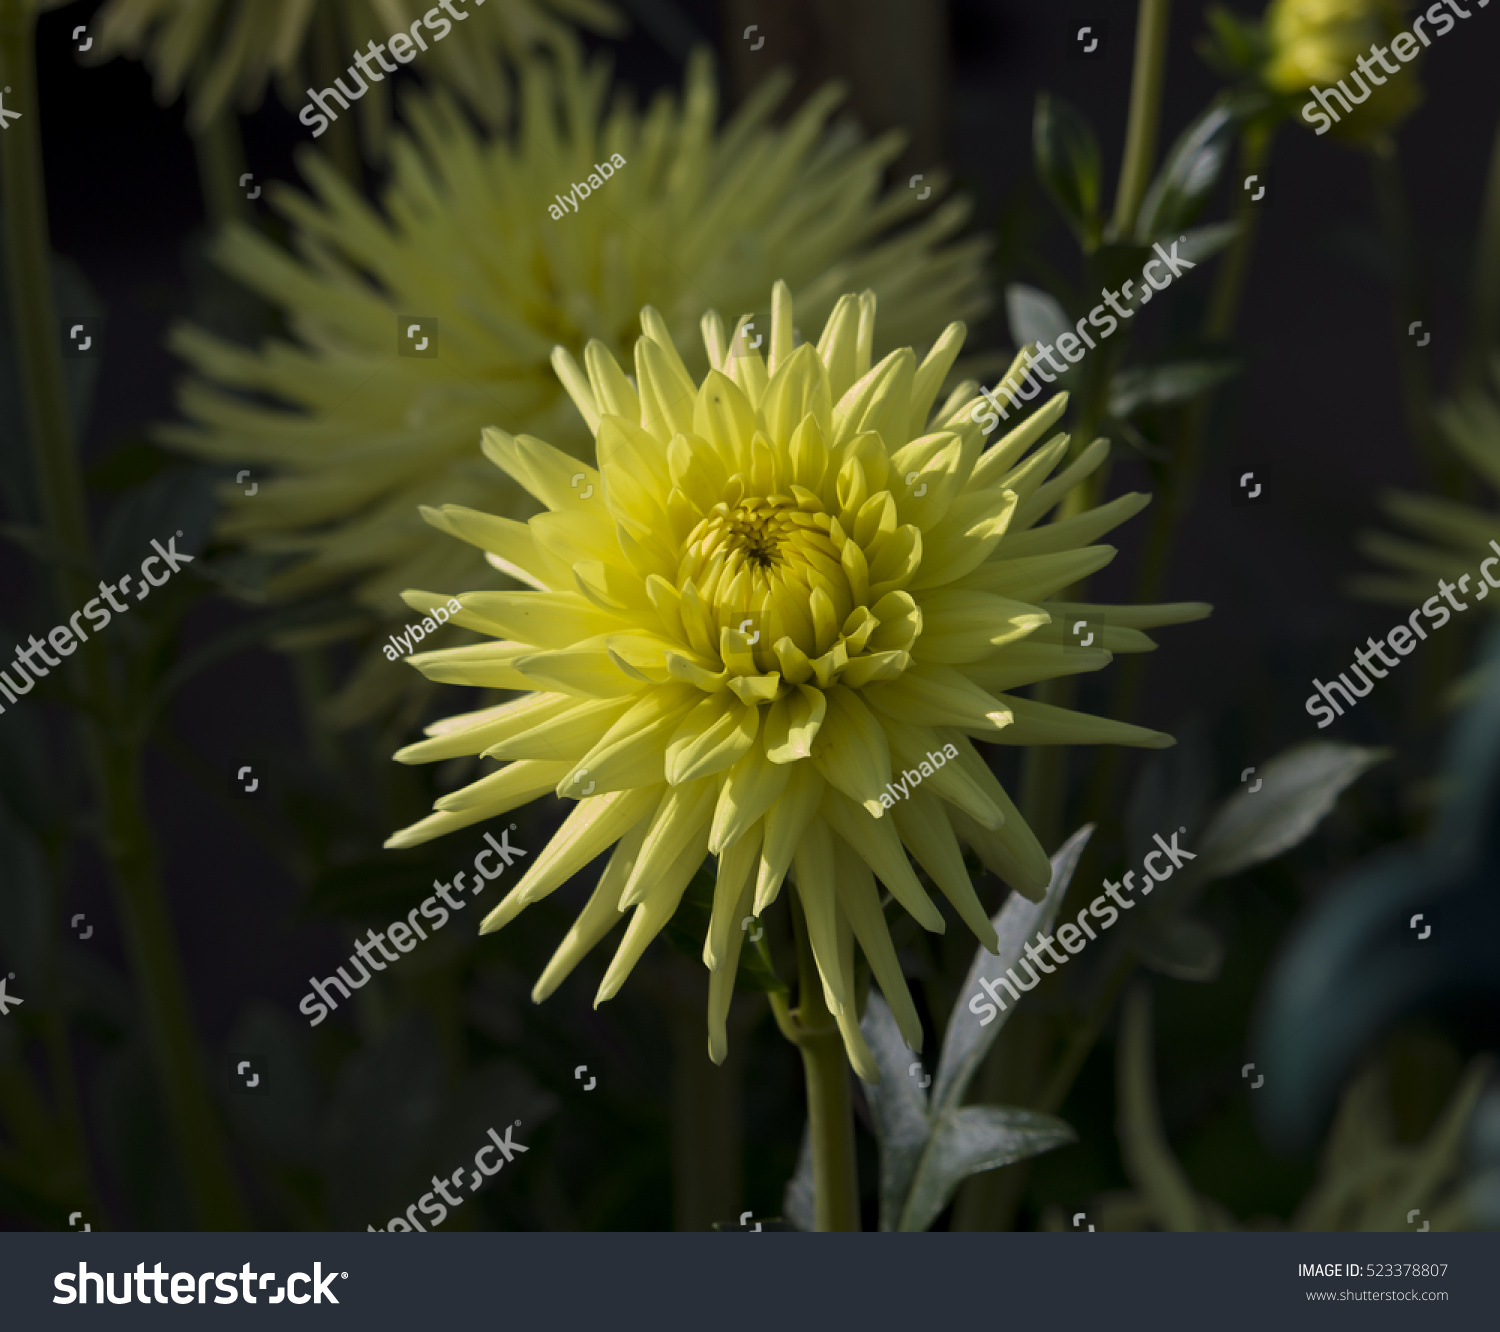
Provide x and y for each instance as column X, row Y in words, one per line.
column 1318, row 44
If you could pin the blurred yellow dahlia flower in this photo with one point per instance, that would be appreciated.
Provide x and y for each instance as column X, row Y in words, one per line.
column 782, row 586
column 1316, row 43
column 696, row 218
column 233, row 48
column 1449, row 539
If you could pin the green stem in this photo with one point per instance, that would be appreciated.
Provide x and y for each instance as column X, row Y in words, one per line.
column 1146, row 83
column 830, row 1109
column 112, row 760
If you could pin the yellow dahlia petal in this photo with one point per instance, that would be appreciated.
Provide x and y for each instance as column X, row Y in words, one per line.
column 860, row 902
column 750, row 788
column 786, row 821
column 929, row 837
column 879, row 845
column 721, row 976
column 599, row 916
column 734, row 890
column 813, row 863
column 1042, row 724
column 654, row 911
column 681, row 821
column 592, row 826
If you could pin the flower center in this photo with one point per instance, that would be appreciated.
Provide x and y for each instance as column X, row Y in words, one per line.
column 764, row 558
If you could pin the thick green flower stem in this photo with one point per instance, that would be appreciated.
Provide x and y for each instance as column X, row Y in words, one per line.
column 830, row 1108
column 113, row 756
column 1146, row 81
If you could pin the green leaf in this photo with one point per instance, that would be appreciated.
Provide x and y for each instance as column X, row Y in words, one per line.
column 1164, row 385
column 1181, row 948
column 898, row 1108
column 1200, row 243
column 968, row 1039
column 969, row 1140
column 799, row 1203
column 1067, row 162
column 1189, row 174
column 1034, row 316
column 1297, row 790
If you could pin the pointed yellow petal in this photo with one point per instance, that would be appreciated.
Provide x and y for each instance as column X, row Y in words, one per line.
column 592, row 826
column 879, row 846
column 861, row 905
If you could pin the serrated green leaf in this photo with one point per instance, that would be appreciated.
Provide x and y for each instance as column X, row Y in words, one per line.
column 898, row 1109
column 1297, row 790
column 967, row 1039
column 799, row 1203
column 971, row 1139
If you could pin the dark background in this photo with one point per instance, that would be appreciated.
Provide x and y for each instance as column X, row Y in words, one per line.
column 1317, row 407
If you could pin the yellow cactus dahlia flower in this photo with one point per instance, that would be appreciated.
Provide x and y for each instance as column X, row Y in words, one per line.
column 768, row 629
column 697, row 218
column 1316, row 44
column 235, row 47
